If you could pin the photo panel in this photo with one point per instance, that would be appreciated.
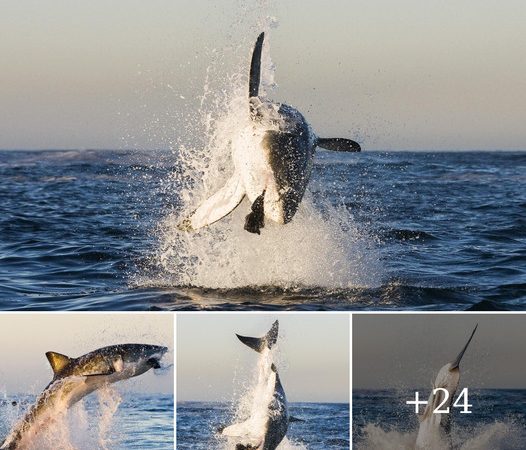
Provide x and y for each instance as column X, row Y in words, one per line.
column 439, row 381
column 263, row 381
column 86, row 381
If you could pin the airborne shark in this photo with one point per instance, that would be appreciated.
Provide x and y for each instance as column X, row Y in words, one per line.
column 269, row 417
column 435, row 428
column 272, row 161
column 75, row 378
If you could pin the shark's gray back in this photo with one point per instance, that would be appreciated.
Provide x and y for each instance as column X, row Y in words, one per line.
column 278, row 422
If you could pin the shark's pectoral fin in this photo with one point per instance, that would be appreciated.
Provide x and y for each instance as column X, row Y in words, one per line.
column 338, row 144
column 217, row 206
column 246, row 431
column 256, row 219
column 57, row 361
column 235, row 430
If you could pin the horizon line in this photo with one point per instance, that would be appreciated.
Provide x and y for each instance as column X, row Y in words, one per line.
column 377, row 150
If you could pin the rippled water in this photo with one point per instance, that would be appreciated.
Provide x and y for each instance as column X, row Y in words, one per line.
column 113, row 421
column 382, row 420
column 410, row 230
column 325, row 426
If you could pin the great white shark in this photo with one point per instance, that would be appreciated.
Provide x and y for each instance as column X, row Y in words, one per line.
column 435, row 428
column 269, row 417
column 272, row 158
column 74, row 378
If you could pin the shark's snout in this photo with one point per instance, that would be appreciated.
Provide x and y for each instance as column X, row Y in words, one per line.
column 156, row 352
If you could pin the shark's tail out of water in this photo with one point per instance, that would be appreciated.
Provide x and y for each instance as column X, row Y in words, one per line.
column 255, row 68
column 259, row 344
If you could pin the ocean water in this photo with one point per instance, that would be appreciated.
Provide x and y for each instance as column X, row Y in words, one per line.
column 325, row 426
column 382, row 420
column 96, row 230
column 104, row 420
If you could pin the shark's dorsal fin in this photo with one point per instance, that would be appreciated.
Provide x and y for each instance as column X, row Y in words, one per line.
column 57, row 361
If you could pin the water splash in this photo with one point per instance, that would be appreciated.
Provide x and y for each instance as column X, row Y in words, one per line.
column 109, row 402
column 496, row 436
column 77, row 428
column 253, row 399
column 321, row 247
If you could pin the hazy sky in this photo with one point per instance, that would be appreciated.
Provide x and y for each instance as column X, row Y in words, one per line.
column 313, row 359
column 394, row 75
column 407, row 351
column 26, row 337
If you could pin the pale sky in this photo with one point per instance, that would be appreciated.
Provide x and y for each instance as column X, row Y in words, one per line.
column 26, row 337
column 439, row 74
column 403, row 351
column 313, row 359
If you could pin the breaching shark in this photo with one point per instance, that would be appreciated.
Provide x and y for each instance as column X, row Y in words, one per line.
column 75, row 378
column 269, row 417
column 272, row 157
column 435, row 428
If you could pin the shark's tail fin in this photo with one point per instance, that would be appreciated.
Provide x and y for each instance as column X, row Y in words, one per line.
column 255, row 68
column 259, row 344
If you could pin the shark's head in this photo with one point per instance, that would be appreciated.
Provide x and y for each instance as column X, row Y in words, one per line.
column 118, row 361
column 140, row 358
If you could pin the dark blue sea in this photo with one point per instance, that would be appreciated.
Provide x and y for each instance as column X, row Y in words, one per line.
column 382, row 420
column 325, row 426
column 107, row 420
column 96, row 230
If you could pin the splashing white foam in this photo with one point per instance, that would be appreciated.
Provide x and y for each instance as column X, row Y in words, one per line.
column 376, row 438
column 75, row 428
column 496, row 436
column 253, row 401
column 109, row 401
column 317, row 249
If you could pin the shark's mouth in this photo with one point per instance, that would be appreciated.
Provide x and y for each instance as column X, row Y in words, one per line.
column 154, row 363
